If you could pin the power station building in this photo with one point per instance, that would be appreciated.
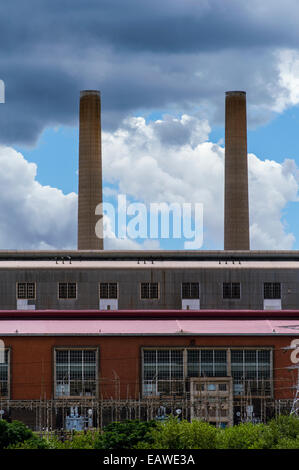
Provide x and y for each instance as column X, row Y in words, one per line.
column 135, row 334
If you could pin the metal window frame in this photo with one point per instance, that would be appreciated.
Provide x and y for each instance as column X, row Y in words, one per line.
column 26, row 283
column 257, row 349
column 9, row 375
column 149, row 298
column 228, row 350
column 231, row 283
column 272, row 284
column 117, row 290
column 67, row 298
column 190, row 298
column 75, row 348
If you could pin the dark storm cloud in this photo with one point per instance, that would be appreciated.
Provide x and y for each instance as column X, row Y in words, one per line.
column 142, row 55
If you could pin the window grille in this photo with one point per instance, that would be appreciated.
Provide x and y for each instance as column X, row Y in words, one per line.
column 67, row 290
column 108, row 290
column 149, row 290
column 190, row 290
column 76, row 372
column 26, row 290
column 231, row 290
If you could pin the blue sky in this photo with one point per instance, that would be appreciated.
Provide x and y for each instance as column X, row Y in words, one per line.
column 56, row 156
column 56, row 151
column 163, row 69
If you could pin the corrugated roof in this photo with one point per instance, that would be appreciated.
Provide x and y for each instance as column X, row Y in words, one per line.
column 141, row 265
column 151, row 327
column 170, row 255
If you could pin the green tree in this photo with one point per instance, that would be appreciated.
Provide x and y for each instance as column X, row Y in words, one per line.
column 12, row 433
column 175, row 434
column 124, row 435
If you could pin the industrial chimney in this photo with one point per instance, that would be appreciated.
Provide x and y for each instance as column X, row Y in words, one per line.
column 90, row 170
column 236, row 212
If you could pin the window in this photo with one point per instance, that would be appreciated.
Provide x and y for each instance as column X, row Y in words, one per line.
column 251, row 371
column 108, row 290
column 149, row 290
column 163, row 371
column 67, row 290
column 211, row 387
column 26, row 290
column 76, row 372
column 206, row 363
column 222, row 387
column 4, row 374
column 168, row 371
column 190, row 290
column 272, row 290
column 231, row 290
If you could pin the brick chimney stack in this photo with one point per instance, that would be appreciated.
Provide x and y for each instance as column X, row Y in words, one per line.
column 236, row 210
column 90, row 169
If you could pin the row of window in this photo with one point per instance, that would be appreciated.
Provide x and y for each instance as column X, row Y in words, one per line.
column 164, row 371
column 232, row 290
column 148, row 290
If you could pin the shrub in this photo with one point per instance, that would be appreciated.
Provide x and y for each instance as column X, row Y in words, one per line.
column 13, row 433
column 199, row 435
column 287, row 443
column 124, row 435
column 284, row 427
column 175, row 434
column 79, row 440
column 243, row 436
column 32, row 443
column 280, row 433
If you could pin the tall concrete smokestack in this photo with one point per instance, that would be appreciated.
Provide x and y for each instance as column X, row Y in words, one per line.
column 236, row 211
column 90, row 169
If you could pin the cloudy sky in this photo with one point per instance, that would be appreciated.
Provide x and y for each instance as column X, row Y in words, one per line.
column 163, row 68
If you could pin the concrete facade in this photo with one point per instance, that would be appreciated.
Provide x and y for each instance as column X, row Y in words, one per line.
column 90, row 170
column 236, row 210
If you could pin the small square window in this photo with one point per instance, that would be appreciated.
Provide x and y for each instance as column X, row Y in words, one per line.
column 222, row 387
column 190, row 290
column 211, row 387
column 231, row 290
column 149, row 290
column 108, row 290
column 26, row 290
column 67, row 290
column 272, row 290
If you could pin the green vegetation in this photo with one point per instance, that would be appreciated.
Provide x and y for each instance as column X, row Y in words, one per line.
column 176, row 434
column 280, row 433
column 125, row 435
column 17, row 434
column 200, row 435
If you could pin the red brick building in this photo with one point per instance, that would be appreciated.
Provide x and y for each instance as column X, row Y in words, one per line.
column 115, row 362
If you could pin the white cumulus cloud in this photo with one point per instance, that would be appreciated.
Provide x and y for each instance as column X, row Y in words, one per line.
column 32, row 216
column 167, row 160
column 40, row 217
column 172, row 160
